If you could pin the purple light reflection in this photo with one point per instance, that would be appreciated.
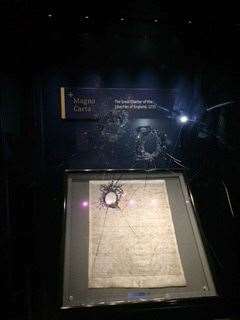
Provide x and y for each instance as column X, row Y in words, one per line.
column 84, row 204
column 132, row 203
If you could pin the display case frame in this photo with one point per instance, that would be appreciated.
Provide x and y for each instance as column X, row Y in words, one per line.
column 206, row 296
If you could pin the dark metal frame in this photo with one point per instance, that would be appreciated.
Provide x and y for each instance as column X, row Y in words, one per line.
column 215, row 305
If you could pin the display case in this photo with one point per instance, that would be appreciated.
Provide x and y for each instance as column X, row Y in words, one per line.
column 132, row 237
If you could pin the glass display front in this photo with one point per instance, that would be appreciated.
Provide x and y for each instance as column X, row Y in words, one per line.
column 131, row 237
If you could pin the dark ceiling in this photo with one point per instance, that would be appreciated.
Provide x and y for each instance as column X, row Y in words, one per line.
column 38, row 31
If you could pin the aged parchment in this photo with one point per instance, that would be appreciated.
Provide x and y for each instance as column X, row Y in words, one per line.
column 135, row 245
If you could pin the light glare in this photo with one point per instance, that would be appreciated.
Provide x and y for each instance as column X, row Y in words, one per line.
column 183, row 119
column 85, row 204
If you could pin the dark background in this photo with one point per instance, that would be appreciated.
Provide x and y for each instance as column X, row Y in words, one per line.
column 191, row 49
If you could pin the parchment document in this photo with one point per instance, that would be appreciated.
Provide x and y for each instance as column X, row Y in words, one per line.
column 133, row 246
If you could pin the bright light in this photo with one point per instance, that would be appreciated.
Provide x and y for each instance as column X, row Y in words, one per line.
column 183, row 119
column 85, row 204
